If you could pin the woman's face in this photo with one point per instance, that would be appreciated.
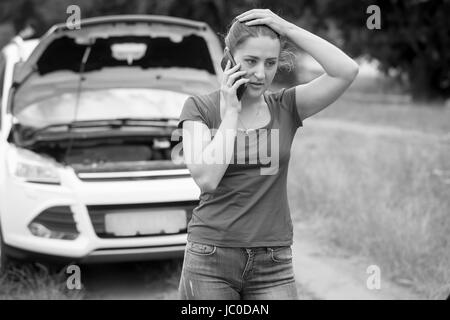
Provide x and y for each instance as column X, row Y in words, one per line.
column 259, row 57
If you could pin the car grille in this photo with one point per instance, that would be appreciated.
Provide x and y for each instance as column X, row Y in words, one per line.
column 138, row 175
column 97, row 214
column 124, row 171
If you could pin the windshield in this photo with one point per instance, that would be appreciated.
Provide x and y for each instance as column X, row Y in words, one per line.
column 103, row 105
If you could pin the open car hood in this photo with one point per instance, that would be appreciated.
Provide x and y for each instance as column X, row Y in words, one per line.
column 171, row 54
column 105, row 104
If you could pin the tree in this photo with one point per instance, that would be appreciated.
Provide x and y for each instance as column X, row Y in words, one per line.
column 414, row 39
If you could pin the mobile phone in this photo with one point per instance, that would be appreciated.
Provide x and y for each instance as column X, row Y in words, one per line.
column 227, row 56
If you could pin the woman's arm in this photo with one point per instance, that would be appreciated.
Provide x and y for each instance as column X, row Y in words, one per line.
column 206, row 159
column 340, row 69
column 335, row 62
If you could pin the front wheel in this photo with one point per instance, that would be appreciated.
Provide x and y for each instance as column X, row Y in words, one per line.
column 5, row 260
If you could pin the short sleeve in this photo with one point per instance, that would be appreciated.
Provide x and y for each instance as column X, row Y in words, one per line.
column 191, row 111
column 287, row 100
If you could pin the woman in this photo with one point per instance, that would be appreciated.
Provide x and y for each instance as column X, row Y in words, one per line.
column 240, row 235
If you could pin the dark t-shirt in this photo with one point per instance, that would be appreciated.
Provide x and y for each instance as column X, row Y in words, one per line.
column 249, row 207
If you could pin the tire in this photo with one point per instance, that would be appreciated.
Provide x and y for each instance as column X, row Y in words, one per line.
column 5, row 260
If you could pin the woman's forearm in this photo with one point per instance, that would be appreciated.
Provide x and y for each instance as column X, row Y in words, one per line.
column 335, row 62
column 217, row 155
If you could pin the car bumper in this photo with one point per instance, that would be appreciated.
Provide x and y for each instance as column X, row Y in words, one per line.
column 22, row 202
column 102, row 256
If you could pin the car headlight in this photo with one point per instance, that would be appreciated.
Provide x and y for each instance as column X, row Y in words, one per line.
column 32, row 167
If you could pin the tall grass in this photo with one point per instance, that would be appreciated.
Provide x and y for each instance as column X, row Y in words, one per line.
column 152, row 280
column 377, row 196
column 36, row 282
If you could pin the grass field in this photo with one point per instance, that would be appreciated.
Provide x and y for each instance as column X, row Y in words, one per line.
column 381, row 196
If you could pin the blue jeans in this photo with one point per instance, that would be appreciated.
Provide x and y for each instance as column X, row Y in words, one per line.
column 216, row 273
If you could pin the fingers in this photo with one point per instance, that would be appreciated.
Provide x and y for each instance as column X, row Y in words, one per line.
column 249, row 16
column 229, row 73
column 251, row 12
column 257, row 21
column 229, row 70
column 245, row 13
column 240, row 82
column 227, row 66
column 232, row 78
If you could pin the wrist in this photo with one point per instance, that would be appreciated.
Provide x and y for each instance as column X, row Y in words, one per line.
column 290, row 29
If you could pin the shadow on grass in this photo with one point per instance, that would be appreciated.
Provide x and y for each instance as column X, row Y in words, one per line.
column 146, row 280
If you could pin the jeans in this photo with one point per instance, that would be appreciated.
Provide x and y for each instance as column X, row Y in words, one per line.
column 217, row 273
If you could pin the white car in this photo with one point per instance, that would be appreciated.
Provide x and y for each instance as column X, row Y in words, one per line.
column 86, row 119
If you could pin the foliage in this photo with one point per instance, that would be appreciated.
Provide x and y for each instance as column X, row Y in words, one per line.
column 413, row 43
column 414, row 40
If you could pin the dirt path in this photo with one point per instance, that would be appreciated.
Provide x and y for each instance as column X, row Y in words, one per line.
column 333, row 274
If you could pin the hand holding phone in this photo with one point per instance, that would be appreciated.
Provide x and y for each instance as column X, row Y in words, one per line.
column 228, row 57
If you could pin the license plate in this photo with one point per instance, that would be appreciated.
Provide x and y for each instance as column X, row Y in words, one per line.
column 145, row 222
